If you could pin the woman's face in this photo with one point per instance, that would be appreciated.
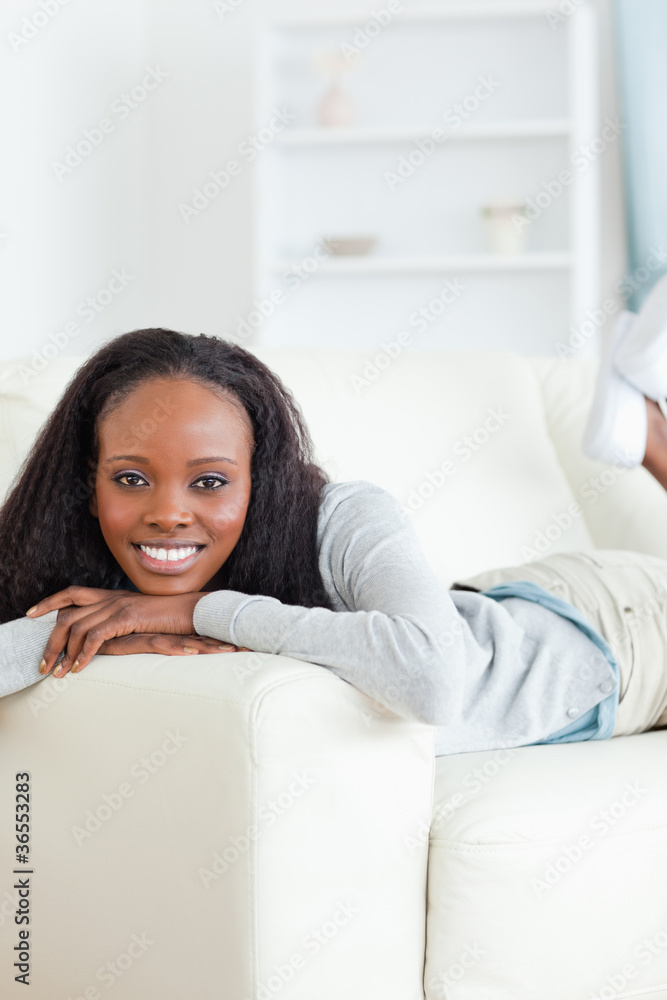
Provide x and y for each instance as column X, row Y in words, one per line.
column 173, row 484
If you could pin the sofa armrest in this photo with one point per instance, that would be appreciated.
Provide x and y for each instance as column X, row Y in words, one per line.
column 234, row 825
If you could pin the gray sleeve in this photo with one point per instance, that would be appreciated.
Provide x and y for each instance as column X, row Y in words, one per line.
column 400, row 640
column 22, row 644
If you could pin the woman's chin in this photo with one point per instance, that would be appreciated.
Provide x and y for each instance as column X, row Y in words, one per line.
column 170, row 584
column 161, row 586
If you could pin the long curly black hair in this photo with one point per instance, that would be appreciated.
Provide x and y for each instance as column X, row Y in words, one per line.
column 49, row 539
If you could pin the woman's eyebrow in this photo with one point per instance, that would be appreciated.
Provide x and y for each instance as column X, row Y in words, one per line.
column 213, row 458
column 194, row 461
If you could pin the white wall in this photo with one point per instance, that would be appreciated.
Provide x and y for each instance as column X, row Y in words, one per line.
column 119, row 209
column 65, row 237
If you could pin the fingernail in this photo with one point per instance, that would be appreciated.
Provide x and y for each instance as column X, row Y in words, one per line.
column 30, row 610
column 75, row 666
column 226, row 646
column 42, row 666
column 57, row 670
column 188, row 649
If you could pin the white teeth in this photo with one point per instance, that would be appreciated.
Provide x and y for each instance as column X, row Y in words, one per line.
column 169, row 555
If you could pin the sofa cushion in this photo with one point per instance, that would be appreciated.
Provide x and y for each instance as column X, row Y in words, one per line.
column 548, row 872
column 460, row 438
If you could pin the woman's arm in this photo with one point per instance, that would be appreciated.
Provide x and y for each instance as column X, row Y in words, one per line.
column 397, row 636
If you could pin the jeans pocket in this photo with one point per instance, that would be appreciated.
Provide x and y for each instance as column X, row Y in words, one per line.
column 612, row 558
column 626, row 671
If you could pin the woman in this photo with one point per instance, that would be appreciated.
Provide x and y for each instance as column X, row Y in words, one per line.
column 170, row 504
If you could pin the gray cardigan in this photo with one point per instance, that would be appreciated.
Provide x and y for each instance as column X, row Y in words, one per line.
column 487, row 674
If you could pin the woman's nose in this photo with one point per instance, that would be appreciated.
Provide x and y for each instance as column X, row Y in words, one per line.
column 167, row 510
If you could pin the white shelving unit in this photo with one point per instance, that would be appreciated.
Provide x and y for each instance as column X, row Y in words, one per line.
column 315, row 183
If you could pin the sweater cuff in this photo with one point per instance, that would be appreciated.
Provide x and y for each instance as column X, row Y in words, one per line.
column 214, row 615
column 28, row 640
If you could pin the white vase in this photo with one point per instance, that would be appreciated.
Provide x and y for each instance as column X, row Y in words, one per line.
column 506, row 226
column 336, row 109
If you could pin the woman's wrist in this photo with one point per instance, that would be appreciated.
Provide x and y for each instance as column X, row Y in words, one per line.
column 188, row 603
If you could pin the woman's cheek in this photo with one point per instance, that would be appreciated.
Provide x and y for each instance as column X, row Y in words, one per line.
column 117, row 514
column 233, row 513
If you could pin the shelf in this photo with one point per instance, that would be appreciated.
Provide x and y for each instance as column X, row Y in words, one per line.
column 422, row 12
column 531, row 128
column 364, row 265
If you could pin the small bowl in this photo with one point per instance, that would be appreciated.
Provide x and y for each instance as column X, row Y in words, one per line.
column 349, row 246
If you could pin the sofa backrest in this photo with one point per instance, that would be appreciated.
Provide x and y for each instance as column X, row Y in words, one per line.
column 482, row 449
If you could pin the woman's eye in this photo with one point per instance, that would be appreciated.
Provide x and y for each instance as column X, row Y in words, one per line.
column 217, row 482
column 128, row 475
column 210, row 483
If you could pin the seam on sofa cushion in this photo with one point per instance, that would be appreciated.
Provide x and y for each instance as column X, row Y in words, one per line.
column 652, row 991
column 204, row 697
column 541, row 371
column 499, row 848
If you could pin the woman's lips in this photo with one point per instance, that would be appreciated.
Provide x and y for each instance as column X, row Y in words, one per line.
column 167, row 567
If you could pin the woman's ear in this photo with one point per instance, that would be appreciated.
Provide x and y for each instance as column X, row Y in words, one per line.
column 92, row 502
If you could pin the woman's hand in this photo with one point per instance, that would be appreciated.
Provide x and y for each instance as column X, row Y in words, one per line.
column 89, row 617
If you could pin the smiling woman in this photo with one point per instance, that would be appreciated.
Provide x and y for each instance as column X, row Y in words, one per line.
column 198, row 477
column 206, row 525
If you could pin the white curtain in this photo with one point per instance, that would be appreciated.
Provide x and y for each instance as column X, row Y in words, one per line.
column 641, row 42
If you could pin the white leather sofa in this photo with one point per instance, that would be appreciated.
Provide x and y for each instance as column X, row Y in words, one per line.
column 251, row 826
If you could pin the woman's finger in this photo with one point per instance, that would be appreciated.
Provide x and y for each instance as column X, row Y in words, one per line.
column 172, row 645
column 216, row 645
column 83, row 630
column 79, row 596
column 68, row 634
column 88, row 634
